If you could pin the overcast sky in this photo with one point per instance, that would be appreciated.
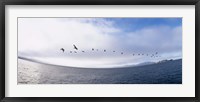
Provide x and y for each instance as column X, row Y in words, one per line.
column 42, row 38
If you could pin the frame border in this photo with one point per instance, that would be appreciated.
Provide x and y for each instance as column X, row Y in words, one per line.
column 3, row 3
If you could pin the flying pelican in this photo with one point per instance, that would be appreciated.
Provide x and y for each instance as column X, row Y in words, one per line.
column 62, row 50
column 75, row 47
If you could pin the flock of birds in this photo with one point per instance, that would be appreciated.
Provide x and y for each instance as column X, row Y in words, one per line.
column 76, row 48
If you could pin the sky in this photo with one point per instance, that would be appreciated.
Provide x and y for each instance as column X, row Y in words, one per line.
column 42, row 38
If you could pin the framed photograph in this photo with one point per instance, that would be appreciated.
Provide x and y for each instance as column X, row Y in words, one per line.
column 103, row 50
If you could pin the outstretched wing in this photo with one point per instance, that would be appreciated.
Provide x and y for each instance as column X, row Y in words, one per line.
column 75, row 47
column 62, row 49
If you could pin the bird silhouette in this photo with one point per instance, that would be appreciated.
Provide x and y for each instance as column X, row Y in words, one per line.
column 62, row 49
column 75, row 47
column 122, row 53
column 83, row 51
column 104, row 50
column 92, row 49
column 113, row 51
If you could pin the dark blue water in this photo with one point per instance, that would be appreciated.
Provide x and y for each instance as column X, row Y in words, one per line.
column 169, row 72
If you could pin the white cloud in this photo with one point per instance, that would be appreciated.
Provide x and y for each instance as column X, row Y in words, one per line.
column 42, row 38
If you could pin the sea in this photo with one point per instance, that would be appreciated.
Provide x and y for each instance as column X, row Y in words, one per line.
column 168, row 72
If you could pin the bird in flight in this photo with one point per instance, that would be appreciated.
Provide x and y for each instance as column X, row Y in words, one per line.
column 75, row 47
column 62, row 49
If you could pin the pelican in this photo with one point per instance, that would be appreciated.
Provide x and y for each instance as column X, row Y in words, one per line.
column 62, row 49
column 75, row 47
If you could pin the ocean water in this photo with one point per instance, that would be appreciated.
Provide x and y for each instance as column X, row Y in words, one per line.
column 169, row 72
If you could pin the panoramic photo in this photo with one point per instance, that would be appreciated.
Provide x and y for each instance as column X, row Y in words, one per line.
column 99, row 50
